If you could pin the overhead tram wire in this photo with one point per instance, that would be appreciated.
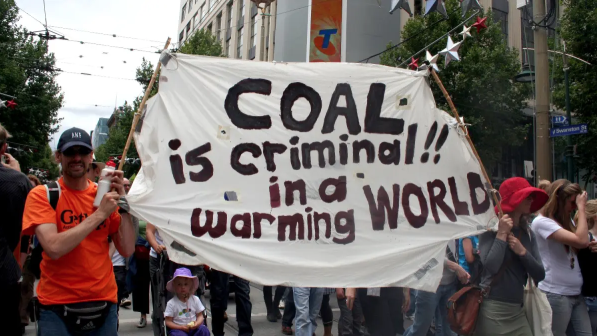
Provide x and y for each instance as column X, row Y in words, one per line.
column 107, row 34
column 93, row 75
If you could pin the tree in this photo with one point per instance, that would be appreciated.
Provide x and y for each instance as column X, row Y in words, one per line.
column 480, row 84
column 579, row 32
column 27, row 72
column 202, row 42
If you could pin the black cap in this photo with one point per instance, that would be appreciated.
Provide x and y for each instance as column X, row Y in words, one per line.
column 74, row 137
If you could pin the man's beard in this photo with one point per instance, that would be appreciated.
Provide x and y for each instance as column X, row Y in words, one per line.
column 80, row 174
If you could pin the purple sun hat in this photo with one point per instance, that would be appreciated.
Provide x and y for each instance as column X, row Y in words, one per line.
column 183, row 273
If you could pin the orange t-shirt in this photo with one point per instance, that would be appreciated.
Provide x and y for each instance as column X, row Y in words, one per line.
column 85, row 273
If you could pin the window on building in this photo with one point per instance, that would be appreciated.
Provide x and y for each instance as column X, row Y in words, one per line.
column 418, row 7
column 184, row 13
column 219, row 26
column 203, row 12
column 188, row 28
column 190, row 5
column 210, row 28
column 229, row 16
column 239, row 44
column 254, row 29
column 528, row 41
column 200, row 12
column 501, row 18
column 227, row 49
column 181, row 36
column 195, row 22
column 209, row 4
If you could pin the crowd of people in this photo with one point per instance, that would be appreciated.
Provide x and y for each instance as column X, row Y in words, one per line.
column 89, row 260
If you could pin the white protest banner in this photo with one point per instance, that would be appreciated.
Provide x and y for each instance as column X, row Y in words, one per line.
column 306, row 174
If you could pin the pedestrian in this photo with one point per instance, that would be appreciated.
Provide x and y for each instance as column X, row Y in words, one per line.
column 327, row 316
column 587, row 259
column 308, row 303
column 351, row 321
column 559, row 240
column 429, row 305
column 155, row 253
column 273, row 312
column 184, row 312
column 14, row 187
column 509, row 256
column 219, row 303
column 77, row 290
column 468, row 255
column 141, row 279
column 289, row 312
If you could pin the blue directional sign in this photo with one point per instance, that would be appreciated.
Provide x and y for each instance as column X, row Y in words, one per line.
column 559, row 120
column 569, row 130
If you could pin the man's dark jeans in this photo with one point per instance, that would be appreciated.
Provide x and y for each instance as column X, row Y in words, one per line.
column 289, row 309
column 219, row 303
column 351, row 321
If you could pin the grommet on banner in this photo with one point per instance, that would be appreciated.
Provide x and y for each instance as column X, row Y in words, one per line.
column 166, row 57
column 230, row 196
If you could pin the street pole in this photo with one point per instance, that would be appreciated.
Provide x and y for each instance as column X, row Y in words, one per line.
column 569, row 145
column 544, row 169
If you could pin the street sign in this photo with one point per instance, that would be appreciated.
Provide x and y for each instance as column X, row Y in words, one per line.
column 568, row 130
column 559, row 120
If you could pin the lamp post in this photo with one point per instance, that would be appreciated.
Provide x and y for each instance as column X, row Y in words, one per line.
column 262, row 4
column 569, row 145
column 528, row 76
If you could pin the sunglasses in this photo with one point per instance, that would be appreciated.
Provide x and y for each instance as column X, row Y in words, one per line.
column 82, row 151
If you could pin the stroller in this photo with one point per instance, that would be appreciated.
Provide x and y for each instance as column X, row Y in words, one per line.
column 162, row 276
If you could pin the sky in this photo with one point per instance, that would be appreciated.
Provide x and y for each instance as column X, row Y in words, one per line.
column 87, row 98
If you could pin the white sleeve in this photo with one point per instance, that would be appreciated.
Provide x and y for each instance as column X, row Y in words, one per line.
column 199, row 308
column 545, row 227
column 170, row 310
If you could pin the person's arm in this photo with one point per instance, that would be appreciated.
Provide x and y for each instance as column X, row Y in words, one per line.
column 492, row 251
column 406, row 304
column 580, row 238
column 198, row 321
column 125, row 238
column 462, row 275
column 532, row 261
column 150, row 232
column 56, row 244
column 112, row 250
column 467, row 246
column 170, row 324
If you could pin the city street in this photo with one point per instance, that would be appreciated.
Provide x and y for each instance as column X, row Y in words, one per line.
column 129, row 319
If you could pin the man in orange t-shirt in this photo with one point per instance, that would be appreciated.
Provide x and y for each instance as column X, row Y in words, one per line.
column 77, row 290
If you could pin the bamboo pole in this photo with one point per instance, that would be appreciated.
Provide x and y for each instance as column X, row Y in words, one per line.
column 141, row 107
column 468, row 138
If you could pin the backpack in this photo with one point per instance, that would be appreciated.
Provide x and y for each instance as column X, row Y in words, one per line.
column 53, row 192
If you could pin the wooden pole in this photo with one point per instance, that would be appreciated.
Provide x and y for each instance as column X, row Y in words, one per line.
column 468, row 138
column 141, row 107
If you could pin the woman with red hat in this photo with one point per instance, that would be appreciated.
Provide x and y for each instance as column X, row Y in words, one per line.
column 508, row 257
column 559, row 240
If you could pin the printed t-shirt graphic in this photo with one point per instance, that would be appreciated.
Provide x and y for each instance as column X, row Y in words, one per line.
column 85, row 273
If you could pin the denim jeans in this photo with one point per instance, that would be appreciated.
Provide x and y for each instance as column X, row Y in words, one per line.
column 569, row 315
column 351, row 321
column 592, row 306
column 289, row 309
column 308, row 303
column 427, row 305
column 51, row 324
column 219, row 303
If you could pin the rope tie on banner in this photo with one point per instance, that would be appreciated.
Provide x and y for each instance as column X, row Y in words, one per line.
column 460, row 126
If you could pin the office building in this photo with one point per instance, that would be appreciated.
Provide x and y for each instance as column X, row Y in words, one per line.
column 100, row 133
column 237, row 24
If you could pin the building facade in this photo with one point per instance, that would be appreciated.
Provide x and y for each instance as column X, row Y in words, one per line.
column 100, row 133
column 237, row 24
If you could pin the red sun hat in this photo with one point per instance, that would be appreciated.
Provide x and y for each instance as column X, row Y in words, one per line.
column 515, row 190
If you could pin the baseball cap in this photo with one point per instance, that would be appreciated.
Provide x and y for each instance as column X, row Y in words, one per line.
column 74, row 137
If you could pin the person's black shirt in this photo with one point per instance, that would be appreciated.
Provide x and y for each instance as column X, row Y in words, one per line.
column 14, row 187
